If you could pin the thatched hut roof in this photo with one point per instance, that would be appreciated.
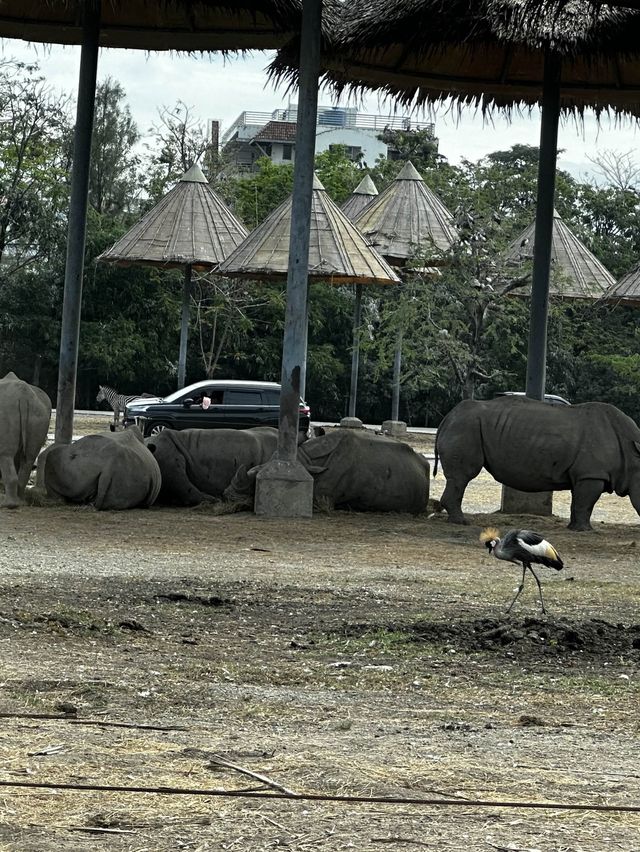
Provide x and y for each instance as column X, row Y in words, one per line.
column 362, row 195
column 338, row 252
column 190, row 225
column 583, row 276
column 486, row 53
column 626, row 290
column 405, row 217
column 157, row 24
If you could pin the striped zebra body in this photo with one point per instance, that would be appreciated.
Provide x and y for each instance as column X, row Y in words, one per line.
column 117, row 401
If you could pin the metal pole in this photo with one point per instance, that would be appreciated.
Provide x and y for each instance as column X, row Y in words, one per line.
column 184, row 326
column 537, row 354
column 355, row 353
column 395, row 390
column 295, row 336
column 72, row 302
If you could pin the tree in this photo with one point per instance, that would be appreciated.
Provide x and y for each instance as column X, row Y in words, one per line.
column 33, row 166
column 179, row 140
column 419, row 146
column 254, row 196
column 113, row 179
column 338, row 173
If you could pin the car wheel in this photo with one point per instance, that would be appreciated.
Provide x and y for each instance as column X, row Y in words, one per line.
column 154, row 428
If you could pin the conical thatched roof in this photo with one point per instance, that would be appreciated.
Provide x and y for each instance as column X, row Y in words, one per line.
column 583, row 276
column 362, row 195
column 405, row 217
column 160, row 25
column 487, row 53
column 190, row 225
column 337, row 250
column 626, row 290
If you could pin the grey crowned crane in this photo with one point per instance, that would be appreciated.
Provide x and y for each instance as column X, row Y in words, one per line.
column 524, row 547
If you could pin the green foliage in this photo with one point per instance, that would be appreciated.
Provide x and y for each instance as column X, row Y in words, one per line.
column 253, row 197
column 419, row 146
column 113, row 182
column 338, row 174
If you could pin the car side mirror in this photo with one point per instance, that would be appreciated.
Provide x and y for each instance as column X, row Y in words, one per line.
column 187, row 402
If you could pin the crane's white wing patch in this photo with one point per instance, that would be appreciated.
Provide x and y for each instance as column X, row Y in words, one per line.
column 543, row 548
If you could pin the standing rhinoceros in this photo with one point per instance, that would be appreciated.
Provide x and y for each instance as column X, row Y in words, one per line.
column 198, row 464
column 25, row 412
column 533, row 446
column 112, row 470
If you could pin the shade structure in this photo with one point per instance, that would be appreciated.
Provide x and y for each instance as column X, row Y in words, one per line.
column 407, row 217
column 361, row 196
column 583, row 276
column 190, row 228
column 625, row 291
column 486, row 53
column 159, row 25
column 190, row 225
column 338, row 252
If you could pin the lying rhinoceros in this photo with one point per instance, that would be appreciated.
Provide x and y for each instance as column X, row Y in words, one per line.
column 198, row 464
column 355, row 469
column 533, row 446
column 25, row 412
column 112, row 470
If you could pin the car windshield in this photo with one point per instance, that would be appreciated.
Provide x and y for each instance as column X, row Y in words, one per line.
column 184, row 392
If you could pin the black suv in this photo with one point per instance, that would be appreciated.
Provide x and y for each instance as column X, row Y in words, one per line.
column 213, row 404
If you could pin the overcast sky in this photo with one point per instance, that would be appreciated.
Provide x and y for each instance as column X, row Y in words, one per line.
column 219, row 89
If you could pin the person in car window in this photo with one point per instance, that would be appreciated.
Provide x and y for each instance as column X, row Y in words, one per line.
column 206, row 400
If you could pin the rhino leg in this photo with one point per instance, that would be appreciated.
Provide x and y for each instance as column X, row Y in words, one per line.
column 10, row 481
column 451, row 499
column 584, row 496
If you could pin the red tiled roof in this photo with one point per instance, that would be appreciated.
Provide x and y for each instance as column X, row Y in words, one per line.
column 277, row 131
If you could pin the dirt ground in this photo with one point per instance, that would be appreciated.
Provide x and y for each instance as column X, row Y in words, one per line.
column 346, row 655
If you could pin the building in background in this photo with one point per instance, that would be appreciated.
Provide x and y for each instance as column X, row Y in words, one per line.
column 261, row 134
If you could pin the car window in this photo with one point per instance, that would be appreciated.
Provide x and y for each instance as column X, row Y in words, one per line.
column 271, row 397
column 242, row 397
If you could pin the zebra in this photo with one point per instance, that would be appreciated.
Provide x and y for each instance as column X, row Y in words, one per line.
column 117, row 401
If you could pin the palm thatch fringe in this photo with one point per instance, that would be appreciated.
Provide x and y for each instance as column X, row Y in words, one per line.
column 182, row 25
column 488, row 54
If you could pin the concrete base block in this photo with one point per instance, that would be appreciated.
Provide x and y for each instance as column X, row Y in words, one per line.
column 526, row 502
column 351, row 423
column 395, row 428
column 284, row 490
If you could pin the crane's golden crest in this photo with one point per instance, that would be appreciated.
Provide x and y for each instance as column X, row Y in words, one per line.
column 489, row 534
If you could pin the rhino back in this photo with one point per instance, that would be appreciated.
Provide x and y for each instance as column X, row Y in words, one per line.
column 367, row 472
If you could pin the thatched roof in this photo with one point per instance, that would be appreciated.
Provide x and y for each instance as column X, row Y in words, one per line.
column 626, row 290
column 362, row 195
column 405, row 217
column 338, row 252
column 487, row 53
column 190, row 225
column 583, row 276
column 157, row 24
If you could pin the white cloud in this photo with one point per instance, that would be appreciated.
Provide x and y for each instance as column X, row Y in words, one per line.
column 222, row 88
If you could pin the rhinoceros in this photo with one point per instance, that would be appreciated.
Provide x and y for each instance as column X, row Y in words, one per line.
column 197, row 465
column 533, row 446
column 355, row 469
column 112, row 470
column 25, row 412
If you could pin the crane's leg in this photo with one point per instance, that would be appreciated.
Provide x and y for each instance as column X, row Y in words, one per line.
column 544, row 612
column 520, row 588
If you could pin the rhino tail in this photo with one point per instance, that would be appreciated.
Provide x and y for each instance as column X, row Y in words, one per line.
column 435, row 463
